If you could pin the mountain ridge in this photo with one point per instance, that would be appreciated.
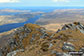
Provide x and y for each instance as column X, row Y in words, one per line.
column 32, row 38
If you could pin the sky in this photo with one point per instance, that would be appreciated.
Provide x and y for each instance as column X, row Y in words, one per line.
column 59, row 3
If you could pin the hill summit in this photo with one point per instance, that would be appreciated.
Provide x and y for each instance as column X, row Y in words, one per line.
column 34, row 40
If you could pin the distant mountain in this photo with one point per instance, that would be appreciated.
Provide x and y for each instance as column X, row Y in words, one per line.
column 13, row 10
column 14, row 16
column 6, row 19
column 34, row 40
column 8, row 16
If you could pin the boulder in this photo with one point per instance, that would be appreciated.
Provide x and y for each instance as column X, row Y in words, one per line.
column 57, row 53
column 82, row 50
column 68, row 47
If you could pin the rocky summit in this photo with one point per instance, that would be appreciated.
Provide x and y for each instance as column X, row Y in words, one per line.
column 34, row 40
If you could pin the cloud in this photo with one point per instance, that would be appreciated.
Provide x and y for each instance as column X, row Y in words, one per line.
column 60, row 0
column 9, row 1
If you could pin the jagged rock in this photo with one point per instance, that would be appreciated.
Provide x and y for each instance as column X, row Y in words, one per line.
column 68, row 46
column 65, row 54
column 69, row 26
column 80, row 29
column 42, row 30
column 44, row 35
column 13, row 53
column 35, row 38
column 58, row 30
column 59, row 54
column 75, row 25
column 27, row 30
column 65, row 27
column 52, row 35
column 82, row 50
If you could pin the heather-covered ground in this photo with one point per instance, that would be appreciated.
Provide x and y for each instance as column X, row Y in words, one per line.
column 34, row 40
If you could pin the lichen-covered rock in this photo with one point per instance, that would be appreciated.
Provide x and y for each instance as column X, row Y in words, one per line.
column 66, row 54
column 82, row 49
column 68, row 46
column 13, row 53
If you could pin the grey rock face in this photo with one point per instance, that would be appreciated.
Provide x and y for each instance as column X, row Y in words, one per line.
column 68, row 46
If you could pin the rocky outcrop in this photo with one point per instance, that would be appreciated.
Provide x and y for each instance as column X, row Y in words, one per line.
column 75, row 25
column 14, row 52
column 68, row 47
column 37, row 40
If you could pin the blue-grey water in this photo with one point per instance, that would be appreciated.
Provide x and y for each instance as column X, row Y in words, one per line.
column 7, row 27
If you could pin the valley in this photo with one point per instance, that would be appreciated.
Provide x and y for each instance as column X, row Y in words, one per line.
column 8, row 16
column 61, row 16
column 54, row 33
column 41, row 27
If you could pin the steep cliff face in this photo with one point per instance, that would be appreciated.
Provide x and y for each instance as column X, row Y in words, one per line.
column 33, row 40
